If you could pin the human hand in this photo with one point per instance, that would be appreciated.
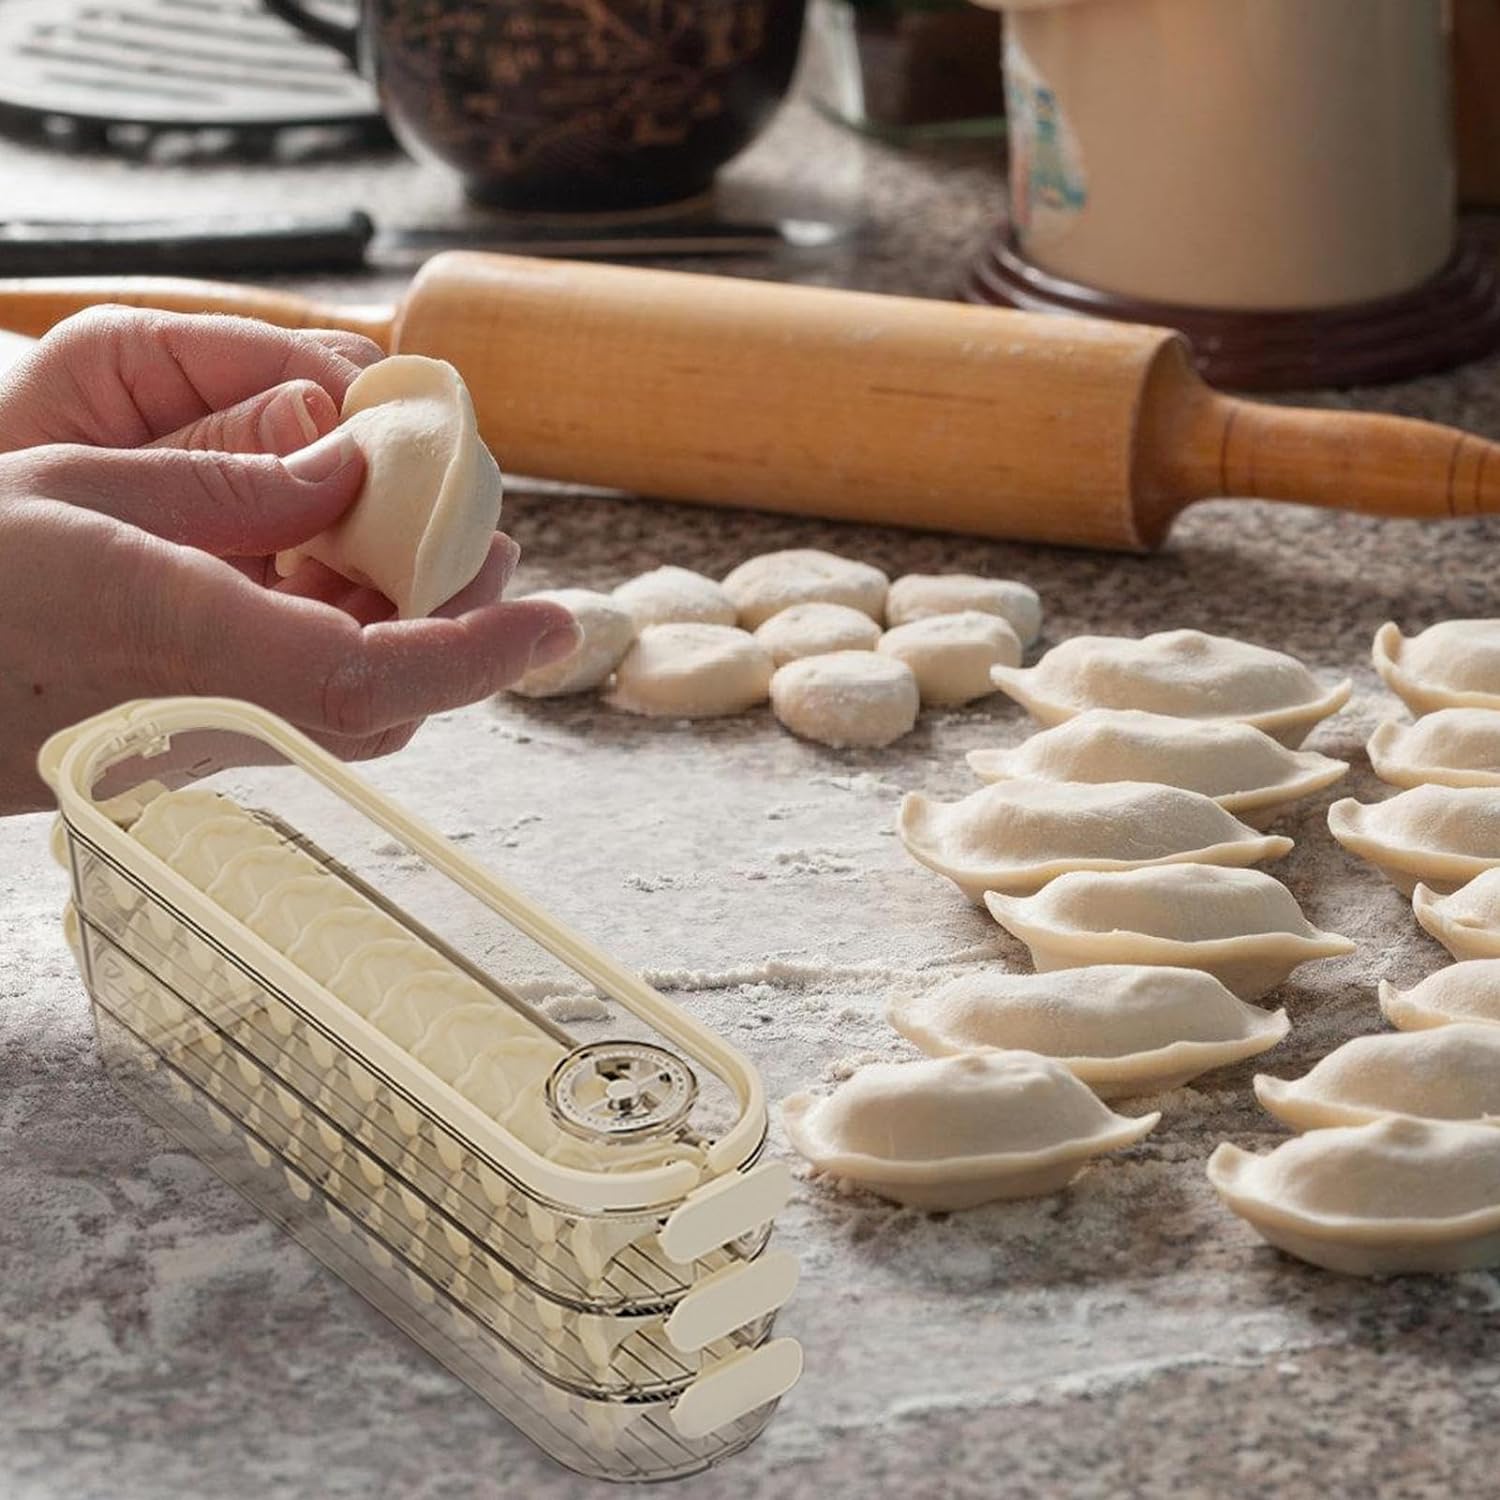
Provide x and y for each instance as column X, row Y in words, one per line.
column 135, row 561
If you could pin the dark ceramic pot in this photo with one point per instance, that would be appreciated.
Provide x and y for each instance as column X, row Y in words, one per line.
column 573, row 105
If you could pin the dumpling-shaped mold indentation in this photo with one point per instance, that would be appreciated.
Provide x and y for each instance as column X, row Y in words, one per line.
column 1242, row 768
column 1441, row 836
column 1124, row 1029
column 284, row 913
column 1467, row 923
column 954, row 1132
column 495, row 1077
column 330, row 940
column 1183, row 673
column 1397, row 1195
column 1467, row 991
column 168, row 818
column 209, row 845
column 1449, row 747
column 1453, row 664
column 1241, row 926
column 375, row 971
column 1015, row 836
column 1445, row 1073
column 477, row 1022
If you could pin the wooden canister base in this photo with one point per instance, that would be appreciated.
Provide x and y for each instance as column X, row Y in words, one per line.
column 1450, row 318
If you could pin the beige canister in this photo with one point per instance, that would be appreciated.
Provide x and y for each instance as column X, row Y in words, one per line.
column 1245, row 154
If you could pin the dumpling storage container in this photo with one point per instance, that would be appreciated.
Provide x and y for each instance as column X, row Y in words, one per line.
column 352, row 1023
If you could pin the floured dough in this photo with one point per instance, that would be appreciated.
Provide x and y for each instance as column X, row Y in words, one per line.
column 1449, row 747
column 1242, row 768
column 1467, row 923
column 1454, row 664
column 1123, row 1029
column 1439, row 835
column 775, row 581
column 423, row 523
column 918, row 595
column 951, row 655
column 1185, row 673
column 954, row 1132
column 846, row 699
column 1241, row 926
column 1394, row 1196
column 692, row 672
column 605, row 631
column 675, row 596
column 1445, row 1073
column 1468, row 991
column 1015, row 836
column 816, row 630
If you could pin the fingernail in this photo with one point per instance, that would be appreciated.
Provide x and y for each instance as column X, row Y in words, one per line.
column 559, row 643
column 323, row 459
column 287, row 423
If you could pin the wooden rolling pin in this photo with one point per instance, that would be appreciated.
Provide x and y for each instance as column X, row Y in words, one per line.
column 852, row 405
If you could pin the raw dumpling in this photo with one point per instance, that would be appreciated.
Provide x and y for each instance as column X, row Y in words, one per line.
column 775, row 581
column 692, row 672
column 1446, row 1073
column 1450, row 747
column 1184, row 673
column 817, row 630
column 1122, row 1028
column 1439, row 835
column 1241, row 926
column 675, row 596
column 208, row 846
column 846, row 699
column 169, row 818
column 1394, row 1196
column 1468, row 991
column 1015, row 836
column 1454, row 664
column 1467, row 923
column 475, row 1024
column 951, row 655
column 918, row 595
column 1243, row 769
column 423, row 523
column 954, row 1132
column 605, row 630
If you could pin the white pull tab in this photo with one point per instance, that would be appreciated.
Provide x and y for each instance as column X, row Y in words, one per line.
column 731, row 1298
column 726, row 1209
column 737, row 1385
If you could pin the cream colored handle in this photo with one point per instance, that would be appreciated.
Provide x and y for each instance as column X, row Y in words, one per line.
column 724, row 1210
column 732, row 1297
column 737, row 1386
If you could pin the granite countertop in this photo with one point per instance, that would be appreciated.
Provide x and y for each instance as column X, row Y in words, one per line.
column 159, row 1340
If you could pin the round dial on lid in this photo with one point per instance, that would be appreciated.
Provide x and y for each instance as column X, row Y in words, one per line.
column 621, row 1089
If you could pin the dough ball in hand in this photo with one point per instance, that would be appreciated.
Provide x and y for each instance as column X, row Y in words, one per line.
column 846, row 699
column 605, row 629
column 815, row 630
column 421, row 527
column 766, row 585
column 951, row 655
column 692, row 671
column 920, row 595
column 675, row 596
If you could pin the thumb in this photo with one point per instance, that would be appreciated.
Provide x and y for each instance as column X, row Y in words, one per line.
column 230, row 504
column 280, row 420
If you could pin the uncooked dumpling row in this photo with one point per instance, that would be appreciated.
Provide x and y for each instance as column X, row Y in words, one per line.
column 422, row 525
column 1184, row 673
column 1015, row 836
column 1243, row 769
column 692, row 672
column 1454, row 664
column 765, row 585
column 1439, row 835
column 817, row 629
column 1467, row 923
column 675, row 596
column 1394, row 1196
column 954, row 1132
column 1450, row 747
column 1123, row 1029
column 605, row 630
column 846, row 699
column 920, row 595
column 951, row 655
column 1468, row 991
column 1445, row 1073
column 1241, row 926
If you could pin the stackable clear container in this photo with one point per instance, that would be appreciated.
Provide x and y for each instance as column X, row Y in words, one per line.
column 342, row 1014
